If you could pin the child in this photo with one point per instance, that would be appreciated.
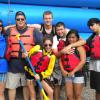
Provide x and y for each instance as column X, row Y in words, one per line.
column 43, row 61
column 71, row 67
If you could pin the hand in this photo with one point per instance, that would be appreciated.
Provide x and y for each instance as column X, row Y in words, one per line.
column 70, row 74
column 67, row 50
column 65, row 73
column 37, row 77
column 26, row 54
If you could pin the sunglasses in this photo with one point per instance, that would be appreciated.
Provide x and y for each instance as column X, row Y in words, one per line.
column 20, row 19
column 47, row 45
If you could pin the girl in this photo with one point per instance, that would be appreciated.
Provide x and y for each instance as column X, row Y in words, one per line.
column 3, row 62
column 43, row 62
column 71, row 67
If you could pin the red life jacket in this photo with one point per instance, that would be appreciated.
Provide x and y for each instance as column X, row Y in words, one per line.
column 27, row 39
column 40, row 62
column 95, row 48
column 61, row 45
column 70, row 61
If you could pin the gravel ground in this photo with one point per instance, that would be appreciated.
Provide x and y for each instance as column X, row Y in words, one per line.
column 88, row 94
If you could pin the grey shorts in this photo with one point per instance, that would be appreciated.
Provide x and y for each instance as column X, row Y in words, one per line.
column 74, row 79
column 57, row 75
column 15, row 80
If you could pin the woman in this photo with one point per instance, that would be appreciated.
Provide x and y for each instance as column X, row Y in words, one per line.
column 3, row 62
column 43, row 62
column 71, row 67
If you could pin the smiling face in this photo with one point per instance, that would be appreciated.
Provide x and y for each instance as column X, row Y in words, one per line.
column 48, row 19
column 20, row 21
column 60, row 31
column 72, row 38
column 48, row 45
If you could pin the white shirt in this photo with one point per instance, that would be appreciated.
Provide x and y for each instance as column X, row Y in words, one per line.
column 56, row 41
column 94, row 65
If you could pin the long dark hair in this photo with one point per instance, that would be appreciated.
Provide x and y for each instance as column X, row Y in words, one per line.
column 72, row 31
column 3, row 31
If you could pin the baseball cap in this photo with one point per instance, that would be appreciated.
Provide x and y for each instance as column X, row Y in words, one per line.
column 20, row 13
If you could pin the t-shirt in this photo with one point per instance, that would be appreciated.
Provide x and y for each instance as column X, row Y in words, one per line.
column 56, row 41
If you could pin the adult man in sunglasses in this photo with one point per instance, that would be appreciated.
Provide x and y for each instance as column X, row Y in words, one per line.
column 30, row 37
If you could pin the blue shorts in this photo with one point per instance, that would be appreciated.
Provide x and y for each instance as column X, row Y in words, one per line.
column 3, row 77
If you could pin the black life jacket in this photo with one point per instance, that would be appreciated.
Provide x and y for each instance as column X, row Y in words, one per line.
column 88, row 43
column 45, row 33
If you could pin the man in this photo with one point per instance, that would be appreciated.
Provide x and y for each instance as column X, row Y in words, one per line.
column 94, row 65
column 29, row 37
column 58, row 51
column 46, row 28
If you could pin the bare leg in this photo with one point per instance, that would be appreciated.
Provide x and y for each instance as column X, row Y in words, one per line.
column 97, row 96
column 69, row 90
column 48, row 89
column 78, row 91
column 26, row 93
column 2, row 88
column 32, row 94
column 57, row 92
column 12, row 94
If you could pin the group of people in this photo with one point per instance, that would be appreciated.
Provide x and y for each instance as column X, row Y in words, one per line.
column 56, row 53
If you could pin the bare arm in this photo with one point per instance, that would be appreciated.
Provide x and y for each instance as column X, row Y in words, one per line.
column 9, row 27
column 38, row 26
column 67, row 49
column 56, row 53
column 79, row 43
column 54, row 47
